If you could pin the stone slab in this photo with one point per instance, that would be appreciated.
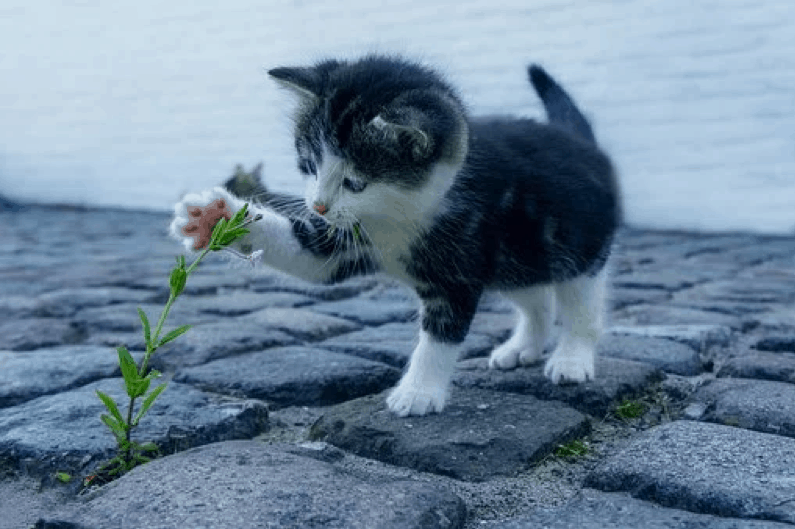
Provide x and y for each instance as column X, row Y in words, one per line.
column 493, row 324
column 212, row 341
column 393, row 343
column 30, row 374
column 641, row 315
column 619, row 298
column 133, row 341
column 706, row 468
column 16, row 306
column 656, row 280
column 777, row 318
column 758, row 405
column 699, row 337
column 248, row 485
column 66, row 302
column 479, row 435
column 599, row 510
column 781, row 343
column 748, row 312
column 761, row 365
column 200, row 283
column 668, row 355
column 269, row 281
column 758, row 290
column 124, row 317
column 22, row 284
column 292, row 376
column 615, row 379
column 239, row 302
column 302, row 323
column 64, row 433
column 37, row 333
column 371, row 311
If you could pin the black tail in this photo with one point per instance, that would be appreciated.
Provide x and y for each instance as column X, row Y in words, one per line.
column 560, row 108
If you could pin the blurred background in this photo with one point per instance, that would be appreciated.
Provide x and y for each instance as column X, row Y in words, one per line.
column 132, row 104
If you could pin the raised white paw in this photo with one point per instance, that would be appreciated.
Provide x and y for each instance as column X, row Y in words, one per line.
column 408, row 399
column 576, row 365
column 196, row 214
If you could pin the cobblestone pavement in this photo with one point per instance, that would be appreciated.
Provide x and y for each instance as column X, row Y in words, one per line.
column 274, row 415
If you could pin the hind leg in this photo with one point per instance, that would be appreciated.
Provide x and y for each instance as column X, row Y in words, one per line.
column 536, row 310
column 581, row 303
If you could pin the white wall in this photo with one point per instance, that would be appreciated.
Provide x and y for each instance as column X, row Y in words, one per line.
column 132, row 103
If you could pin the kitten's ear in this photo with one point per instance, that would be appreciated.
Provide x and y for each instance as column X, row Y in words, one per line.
column 257, row 171
column 305, row 82
column 406, row 128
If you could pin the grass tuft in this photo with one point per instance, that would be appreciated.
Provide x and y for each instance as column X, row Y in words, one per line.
column 572, row 449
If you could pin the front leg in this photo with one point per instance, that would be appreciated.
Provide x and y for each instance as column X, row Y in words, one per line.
column 445, row 323
column 301, row 246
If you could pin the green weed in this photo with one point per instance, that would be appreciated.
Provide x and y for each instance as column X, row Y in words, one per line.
column 630, row 409
column 576, row 448
column 138, row 377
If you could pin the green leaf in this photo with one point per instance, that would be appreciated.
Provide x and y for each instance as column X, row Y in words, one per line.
column 129, row 371
column 239, row 216
column 149, row 447
column 145, row 321
column 179, row 331
column 150, row 399
column 63, row 477
column 177, row 280
column 219, row 229
column 142, row 386
column 232, row 235
column 111, row 406
column 117, row 429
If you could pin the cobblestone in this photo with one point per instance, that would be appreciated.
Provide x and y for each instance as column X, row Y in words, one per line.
column 702, row 330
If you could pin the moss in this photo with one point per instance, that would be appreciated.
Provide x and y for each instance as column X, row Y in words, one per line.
column 575, row 448
column 630, row 409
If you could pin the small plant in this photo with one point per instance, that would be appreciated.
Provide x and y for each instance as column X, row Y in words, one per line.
column 138, row 377
column 575, row 448
column 630, row 409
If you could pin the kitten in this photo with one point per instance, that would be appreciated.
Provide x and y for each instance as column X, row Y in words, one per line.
column 400, row 180
column 247, row 184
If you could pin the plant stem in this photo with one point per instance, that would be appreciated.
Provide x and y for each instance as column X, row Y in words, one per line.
column 151, row 347
column 128, row 429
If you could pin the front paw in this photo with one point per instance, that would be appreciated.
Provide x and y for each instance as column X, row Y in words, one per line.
column 410, row 399
column 572, row 365
column 196, row 215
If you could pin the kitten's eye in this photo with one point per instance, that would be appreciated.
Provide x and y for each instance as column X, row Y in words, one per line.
column 307, row 167
column 353, row 185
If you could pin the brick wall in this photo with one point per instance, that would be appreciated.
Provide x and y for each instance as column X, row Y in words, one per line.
column 133, row 103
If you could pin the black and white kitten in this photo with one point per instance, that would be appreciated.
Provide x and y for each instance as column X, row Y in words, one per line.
column 400, row 180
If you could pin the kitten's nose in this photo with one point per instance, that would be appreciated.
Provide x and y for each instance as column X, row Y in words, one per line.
column 320, row 208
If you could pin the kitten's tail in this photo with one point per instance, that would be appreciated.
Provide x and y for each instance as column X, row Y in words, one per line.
column 560, row 108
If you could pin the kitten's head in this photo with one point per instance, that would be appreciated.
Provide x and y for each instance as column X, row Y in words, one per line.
column 378, row 137
column 247, row 185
